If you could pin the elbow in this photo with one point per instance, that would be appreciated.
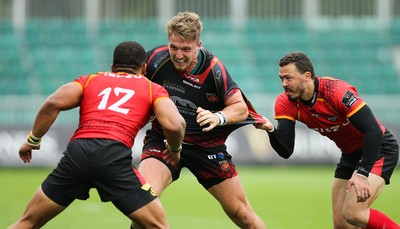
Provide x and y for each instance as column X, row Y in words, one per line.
column 285, row 154
column 176, row 126
column 243, row 114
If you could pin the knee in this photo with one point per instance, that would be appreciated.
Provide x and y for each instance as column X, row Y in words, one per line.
column 24, row 223
column 352, row 216
column 244, row 217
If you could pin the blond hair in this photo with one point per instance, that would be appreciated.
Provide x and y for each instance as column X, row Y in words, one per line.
column 186, row 25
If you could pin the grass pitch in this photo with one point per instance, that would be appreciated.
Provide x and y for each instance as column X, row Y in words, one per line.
column 284, row 197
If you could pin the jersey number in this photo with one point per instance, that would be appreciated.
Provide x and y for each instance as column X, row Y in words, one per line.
column 115, row 106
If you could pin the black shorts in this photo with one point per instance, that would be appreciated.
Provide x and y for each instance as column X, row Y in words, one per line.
column 210, row 166
column 102, row 164
column 384, row 165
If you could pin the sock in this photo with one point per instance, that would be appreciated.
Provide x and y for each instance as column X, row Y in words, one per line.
column 378, row 220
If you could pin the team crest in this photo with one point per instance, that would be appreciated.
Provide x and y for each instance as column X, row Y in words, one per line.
column 212, row 97
column 224, row 165
column 349, row 99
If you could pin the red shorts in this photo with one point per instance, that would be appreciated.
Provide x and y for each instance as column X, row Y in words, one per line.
column 210, row 166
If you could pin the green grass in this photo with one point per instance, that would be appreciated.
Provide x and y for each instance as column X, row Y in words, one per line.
column 284, row 197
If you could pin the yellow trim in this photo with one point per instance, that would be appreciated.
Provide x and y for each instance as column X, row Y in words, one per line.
column 158, row 99
column 79, row 85
column 285, row 117
column 355, row 110
column 90, row 78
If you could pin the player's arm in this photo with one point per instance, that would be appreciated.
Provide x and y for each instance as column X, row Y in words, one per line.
column 282, row 137
column 172, row 122
column 365, row 121
column 66, row 97
column 235, row 110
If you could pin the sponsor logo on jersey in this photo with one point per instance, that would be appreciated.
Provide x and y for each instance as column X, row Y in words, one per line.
column 173, row 86
column 349, row 99
column 191, row 78
column 191, row 84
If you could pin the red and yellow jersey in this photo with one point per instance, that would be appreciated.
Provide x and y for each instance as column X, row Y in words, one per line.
column 116, row 105
column 335, row 101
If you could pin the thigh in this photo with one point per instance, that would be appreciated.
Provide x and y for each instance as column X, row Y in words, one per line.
column 154, row 168
column 156, row 173
column 231, row 195
column 376, row 185
column 41, row 209
column 152, row 215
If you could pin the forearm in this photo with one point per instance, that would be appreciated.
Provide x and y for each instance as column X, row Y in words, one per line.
column 366, row 123
column 235, row 113
column 281, row 144
column 175, row 137
column 44, row 119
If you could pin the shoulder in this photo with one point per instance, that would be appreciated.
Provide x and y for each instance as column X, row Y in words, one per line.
column 333, row 89
column 84, row 80
column 160, row 52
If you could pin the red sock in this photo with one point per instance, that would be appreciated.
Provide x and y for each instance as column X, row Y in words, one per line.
column 378, row 220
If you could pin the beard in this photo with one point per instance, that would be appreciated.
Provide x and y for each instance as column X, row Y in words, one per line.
column 294, row 94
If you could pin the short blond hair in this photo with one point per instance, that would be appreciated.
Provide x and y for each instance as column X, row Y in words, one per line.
column 186, row 25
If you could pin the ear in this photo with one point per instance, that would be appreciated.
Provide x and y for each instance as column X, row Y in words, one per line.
column 144, row 67
column 308, row 75
column 199, row 44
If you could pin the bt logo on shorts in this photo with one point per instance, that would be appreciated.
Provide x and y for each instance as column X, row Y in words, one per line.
column 219, row 155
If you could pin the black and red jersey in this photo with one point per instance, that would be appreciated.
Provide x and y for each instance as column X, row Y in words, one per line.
column 208, row 87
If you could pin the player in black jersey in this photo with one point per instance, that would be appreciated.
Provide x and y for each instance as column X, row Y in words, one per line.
column 213, row 106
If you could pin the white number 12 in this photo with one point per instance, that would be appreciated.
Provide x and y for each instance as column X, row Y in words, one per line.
column 115, row 106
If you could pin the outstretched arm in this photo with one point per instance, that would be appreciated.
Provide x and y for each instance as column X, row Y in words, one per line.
column 282, row 137
column 66, row 97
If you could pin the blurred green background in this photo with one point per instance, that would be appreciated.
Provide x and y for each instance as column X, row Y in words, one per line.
column 46, row 43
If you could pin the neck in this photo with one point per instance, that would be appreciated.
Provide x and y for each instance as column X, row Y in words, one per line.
column 127, row 70
column 310, row 91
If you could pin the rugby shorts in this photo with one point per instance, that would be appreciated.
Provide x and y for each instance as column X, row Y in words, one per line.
column 385, row 164
column 102, row 164
column 210, row 166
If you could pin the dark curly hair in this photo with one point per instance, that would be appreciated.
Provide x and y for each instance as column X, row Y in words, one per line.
column 129, row 54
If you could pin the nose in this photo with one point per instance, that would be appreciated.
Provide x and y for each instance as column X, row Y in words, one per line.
column 284, row 83
column 178, row 54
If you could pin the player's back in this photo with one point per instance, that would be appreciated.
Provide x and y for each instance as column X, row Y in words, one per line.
column 115, row 105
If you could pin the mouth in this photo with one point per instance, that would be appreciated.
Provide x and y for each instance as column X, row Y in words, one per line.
column 180, row 61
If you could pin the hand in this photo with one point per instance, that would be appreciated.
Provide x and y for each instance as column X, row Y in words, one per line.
column 206, row 117
column 361, row 186
column 171, row 157
column 25, row 152
column 267, row 125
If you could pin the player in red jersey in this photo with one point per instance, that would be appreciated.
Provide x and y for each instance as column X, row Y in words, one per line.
column 113, row 107
column 333, row 108
column 212, row 105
